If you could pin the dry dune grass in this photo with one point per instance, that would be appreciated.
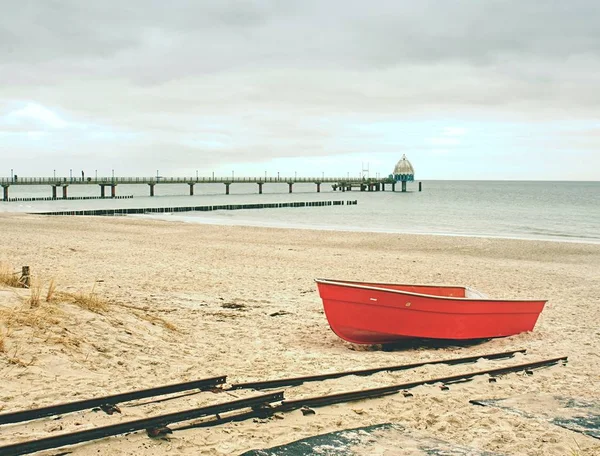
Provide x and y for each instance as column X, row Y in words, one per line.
column 153, row 319
column 88, row 301
column 44, row 316
column 8, row 277
column 35, row 294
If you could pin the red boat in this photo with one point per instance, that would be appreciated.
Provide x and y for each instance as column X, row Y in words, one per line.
column 378, row 313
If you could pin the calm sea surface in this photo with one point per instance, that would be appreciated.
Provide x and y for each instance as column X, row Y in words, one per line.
column 565, row 211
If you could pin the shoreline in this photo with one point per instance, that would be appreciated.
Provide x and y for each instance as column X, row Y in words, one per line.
column 246, row 223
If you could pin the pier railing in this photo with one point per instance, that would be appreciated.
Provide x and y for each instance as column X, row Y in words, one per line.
column 179, row 180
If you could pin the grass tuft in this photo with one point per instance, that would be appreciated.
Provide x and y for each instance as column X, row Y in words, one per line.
column 51, row 291
column 88, row 301
column 8, row 277
column 34, row 297
column 157, row 321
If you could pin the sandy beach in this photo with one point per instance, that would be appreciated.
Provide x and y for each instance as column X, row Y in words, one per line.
column 190, row 301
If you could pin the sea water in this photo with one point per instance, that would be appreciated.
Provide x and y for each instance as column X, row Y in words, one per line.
column 566, row 211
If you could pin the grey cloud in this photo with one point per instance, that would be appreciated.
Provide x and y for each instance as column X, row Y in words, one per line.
column 258, row 78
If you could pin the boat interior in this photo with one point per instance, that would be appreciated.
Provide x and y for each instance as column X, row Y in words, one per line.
column 435, row 290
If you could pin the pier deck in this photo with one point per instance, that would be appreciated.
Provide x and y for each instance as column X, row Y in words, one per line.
column 338, row 183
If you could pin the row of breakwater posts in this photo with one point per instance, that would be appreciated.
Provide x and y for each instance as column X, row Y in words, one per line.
column 337, row 183
column 222, row 207
column 69, row 198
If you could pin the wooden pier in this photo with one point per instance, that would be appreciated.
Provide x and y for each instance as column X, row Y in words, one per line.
column 338, row 183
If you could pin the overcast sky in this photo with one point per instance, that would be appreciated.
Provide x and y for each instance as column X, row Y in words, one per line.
column 467, row 89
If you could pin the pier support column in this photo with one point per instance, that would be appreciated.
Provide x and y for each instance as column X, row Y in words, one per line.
column 191, row 189
column 54, row 192
column 260, row 184
column 5, row 192
column 382, row 187
column 290, row 185
column 227, row 188
column 393, row 186
column 113, row 191
column 419, row 186
column 362, row 187
column 102, row 192
column 151, row 189
column 403, row 186
column 319, row 187
column 65, row 191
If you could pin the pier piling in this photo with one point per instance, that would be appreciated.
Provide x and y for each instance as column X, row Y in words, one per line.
column 64, row 191
column 151, row 189
column 191, row 189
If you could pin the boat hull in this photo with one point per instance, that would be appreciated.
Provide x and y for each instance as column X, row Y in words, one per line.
column 373, row 314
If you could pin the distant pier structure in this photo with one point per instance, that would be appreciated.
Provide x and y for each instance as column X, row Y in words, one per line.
column 403, row 172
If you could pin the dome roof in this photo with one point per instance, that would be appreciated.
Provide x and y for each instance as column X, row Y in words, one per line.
column 404, row 167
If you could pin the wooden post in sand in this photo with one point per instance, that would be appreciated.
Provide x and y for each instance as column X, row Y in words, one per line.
column 419, row 186
column 25, row 277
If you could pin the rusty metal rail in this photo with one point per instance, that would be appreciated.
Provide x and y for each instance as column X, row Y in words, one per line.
column 319, row 401
column 132, row 426
column 294, row 381
column 27, row 415
column 262, row 406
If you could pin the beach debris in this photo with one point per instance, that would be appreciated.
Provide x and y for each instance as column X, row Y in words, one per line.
column 109, row 409
column 233, row 306
column 279, row 313
column 159, row 432
column 307, row 411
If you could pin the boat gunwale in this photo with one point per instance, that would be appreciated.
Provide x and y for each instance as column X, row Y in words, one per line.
column 401, row 292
